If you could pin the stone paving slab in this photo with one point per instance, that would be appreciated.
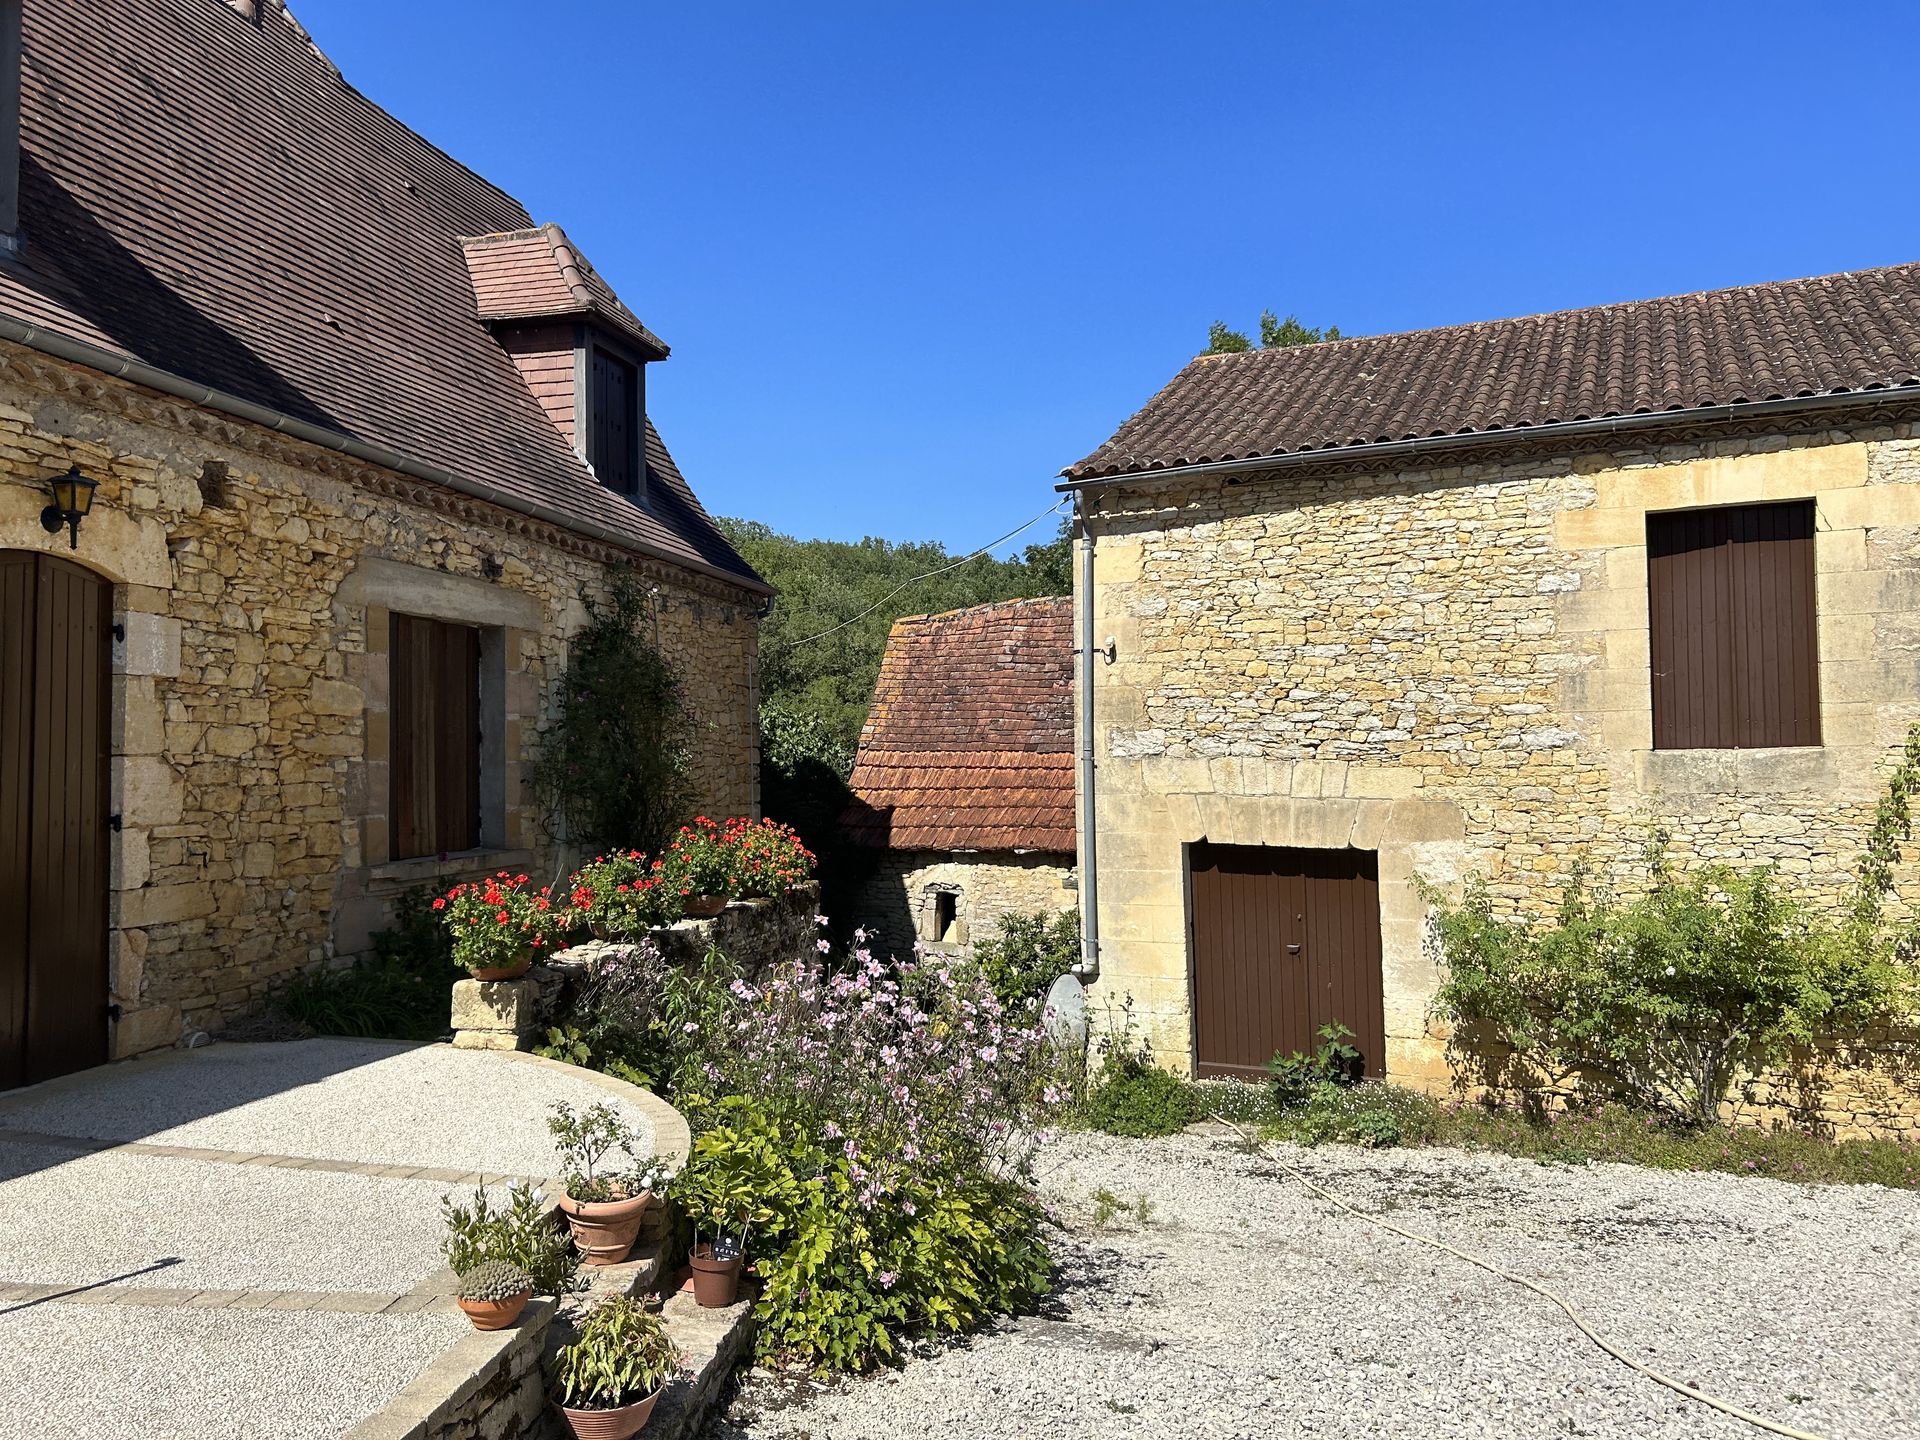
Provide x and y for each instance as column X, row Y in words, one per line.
column 360, row 1101
column 110, row 1372
column 236, row 1227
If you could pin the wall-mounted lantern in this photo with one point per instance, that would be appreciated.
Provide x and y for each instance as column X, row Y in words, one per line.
column 72, row 499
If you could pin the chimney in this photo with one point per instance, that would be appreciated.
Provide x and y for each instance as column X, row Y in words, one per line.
column 10, row 125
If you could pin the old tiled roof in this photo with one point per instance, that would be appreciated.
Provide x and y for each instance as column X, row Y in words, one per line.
column 540, row 274
column 1837, row 334
column 202, row 192
column 969, row 745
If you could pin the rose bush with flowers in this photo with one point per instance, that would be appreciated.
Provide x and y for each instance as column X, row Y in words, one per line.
column 885, row 1115
column 498, row 922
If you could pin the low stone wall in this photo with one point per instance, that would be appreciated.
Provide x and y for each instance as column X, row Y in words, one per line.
column 485, row 1386
column 754, row 934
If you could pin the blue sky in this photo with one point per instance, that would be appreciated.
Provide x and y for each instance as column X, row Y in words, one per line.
column 912, row 258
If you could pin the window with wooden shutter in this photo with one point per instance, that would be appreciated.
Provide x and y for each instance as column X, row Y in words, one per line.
column 613, row 447
column 1734, row 645
column 433, row 773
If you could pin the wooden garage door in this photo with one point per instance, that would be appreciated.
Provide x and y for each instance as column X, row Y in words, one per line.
column 55, row 626
column 1284, row 941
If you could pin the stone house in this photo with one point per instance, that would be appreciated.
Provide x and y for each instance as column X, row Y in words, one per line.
column 963, row 784
column 360, row 442
column 1479, row 600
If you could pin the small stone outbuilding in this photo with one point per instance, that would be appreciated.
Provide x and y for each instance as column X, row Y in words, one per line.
column 364, row 442
column 1485, row 599
column 963, row 784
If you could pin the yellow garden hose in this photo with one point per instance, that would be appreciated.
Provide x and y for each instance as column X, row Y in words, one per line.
column 1725, row 1407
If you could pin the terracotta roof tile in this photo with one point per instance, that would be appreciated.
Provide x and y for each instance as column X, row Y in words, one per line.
column 203, row 192
column 1835, row 334
column 539, row 274
column 969, row 744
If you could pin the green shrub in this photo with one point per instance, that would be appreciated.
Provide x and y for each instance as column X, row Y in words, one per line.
column 1372, row 1113
column 1136, row 1098
column 520, row 1233
column 621, row 1355
column 1023, row 958
column 842, row 1276
column 1334, row 1061
column 399, row 993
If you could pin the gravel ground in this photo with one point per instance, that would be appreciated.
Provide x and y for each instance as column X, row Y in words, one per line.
column 233, row 1227
column 366, row 1100
column 100, row 1373
column 1244, row 1306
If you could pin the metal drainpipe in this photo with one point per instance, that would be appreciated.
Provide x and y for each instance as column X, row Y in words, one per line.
column 1089, row 966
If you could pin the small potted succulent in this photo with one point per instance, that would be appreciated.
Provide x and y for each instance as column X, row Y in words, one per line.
column 608, row 1380
column 604, row 1204
column 497, row 924
column 494, row 1293
column 699, row 867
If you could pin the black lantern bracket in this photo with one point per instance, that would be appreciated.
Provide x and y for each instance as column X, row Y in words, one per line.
column 72, row 500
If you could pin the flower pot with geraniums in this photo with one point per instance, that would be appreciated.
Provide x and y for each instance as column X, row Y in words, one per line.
column 699, row 868
column 619, row 897
column 494, row 1293
column 497, row 925
column 768, row 858
column 608, row 1380
column 603, row 1200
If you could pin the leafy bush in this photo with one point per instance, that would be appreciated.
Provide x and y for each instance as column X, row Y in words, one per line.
column 1027, row 954
column 1136, row 1098
column 882, row 1118
column 399, row 993
column 612, row 765
column 1372, row 1113
column 621, row 1355
column 636, row 1017
column 520, row 1233
column 1334, row 1061
column 495, row 922
column 1665, row 998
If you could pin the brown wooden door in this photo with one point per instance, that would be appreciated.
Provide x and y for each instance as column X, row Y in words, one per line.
column 1284, row 941
column 56, row 621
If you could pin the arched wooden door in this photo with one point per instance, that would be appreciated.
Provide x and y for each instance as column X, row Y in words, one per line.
column 56, row 623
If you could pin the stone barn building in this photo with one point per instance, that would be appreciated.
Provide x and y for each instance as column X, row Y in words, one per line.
column 355, row 441
column 1481, row 600
column 963, row 785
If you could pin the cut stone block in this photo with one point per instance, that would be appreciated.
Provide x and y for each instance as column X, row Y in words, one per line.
column 494, row 1004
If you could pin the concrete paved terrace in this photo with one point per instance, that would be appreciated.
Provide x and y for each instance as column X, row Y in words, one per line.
column 244, row 1239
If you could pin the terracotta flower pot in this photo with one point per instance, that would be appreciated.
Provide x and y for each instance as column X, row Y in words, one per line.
column 615, row 1424
column 715, row 1282
column 496, row 1314
column 507, row 972
column 604, row 1230
column 705, row 907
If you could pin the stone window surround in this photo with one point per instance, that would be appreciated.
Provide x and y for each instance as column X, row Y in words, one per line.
column 1614, row 699
column 380, row 588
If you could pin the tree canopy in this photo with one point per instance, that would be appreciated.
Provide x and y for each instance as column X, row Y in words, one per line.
column 1275, row 334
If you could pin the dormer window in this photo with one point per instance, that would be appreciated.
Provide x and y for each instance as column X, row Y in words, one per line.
column 613, row 422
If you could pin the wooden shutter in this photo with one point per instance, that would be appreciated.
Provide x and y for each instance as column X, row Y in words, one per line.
column 614, row 452
column 1734, row 640
column 433, row 772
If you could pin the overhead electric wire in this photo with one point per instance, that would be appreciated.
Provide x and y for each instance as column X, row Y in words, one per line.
column 1053, row 509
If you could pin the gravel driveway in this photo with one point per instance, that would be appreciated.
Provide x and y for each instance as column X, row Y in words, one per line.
column 1244, row 1306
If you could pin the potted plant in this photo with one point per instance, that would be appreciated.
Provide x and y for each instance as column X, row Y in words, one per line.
column 618, row 897
column 699, row 867
column 768, row 858
column 497, row 924
column 604, row 1205
column 717, row 1195
column 494, row 1293
column 608, row 1380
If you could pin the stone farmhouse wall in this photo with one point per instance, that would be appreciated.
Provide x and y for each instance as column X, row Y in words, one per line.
column 1451, row 668
column 254, row 577
column 897, row 902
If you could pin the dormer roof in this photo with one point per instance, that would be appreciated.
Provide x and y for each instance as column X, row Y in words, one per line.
column 540, row 275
